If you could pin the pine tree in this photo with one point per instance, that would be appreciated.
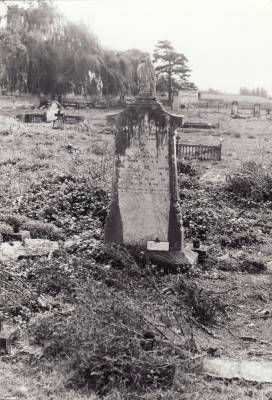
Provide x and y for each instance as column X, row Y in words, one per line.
column 172, row 69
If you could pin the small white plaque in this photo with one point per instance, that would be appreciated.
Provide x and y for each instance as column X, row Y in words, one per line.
column 161, row 246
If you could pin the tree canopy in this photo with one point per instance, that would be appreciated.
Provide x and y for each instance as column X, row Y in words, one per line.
column 42, row 52
column 172, row 69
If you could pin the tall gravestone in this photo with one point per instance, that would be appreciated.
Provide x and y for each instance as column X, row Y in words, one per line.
column 256, row 110
column 234, row 108
column 145, row 208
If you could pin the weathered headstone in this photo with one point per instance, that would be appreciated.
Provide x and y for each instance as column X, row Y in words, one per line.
column 145, row 204
column 234, row 108
column 59, row 122
column 52, row 110
column 256, row 110
column 7, row 334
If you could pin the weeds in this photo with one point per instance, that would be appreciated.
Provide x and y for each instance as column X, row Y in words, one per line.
column 253, row 264
column 239, row 239
column 100, row 339
column 15, row 293
column 101, row 332
column 111, row 321
column 204, row 309
column 253, row 181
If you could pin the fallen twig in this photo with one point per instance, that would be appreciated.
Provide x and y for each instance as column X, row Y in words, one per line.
column 230, row 331
column 207, row 330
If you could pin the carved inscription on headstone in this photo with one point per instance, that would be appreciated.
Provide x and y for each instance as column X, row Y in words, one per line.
column 143, row 186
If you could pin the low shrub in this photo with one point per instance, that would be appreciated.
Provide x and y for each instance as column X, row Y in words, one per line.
column 253, row 264
column 239, row 239
column 190, row 168
column 252, row 180
column 205, row 309
column 56, row 200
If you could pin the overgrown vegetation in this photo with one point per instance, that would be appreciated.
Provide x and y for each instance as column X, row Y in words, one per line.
column 113, row 322
column 253, row 180
column 109, row 325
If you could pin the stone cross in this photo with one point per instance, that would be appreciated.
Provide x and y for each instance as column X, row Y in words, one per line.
column 145, row 210
column 59, row 115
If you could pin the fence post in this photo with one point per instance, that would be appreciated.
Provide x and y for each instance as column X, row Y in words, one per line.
column 220, row 151
column 177, row 147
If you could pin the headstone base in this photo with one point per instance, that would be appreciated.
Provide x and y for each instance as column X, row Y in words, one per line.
column 20, row 235
column 184, row 257
column 176, row 258
column 7, row 335
column 58, row 124
column 202, row 252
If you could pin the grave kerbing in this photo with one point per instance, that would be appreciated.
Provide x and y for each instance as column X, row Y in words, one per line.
column 145, row 205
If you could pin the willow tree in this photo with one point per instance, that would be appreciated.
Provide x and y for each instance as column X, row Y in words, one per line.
column 42, row 52
column 23, row 46
column 111, row 74
column 76, row 53
column 129, row 62
column 14, row 56
column 119, row 71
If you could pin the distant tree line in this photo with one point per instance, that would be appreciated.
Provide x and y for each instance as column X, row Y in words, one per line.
column 212, row 91
column 254, row 92
column 42, row 53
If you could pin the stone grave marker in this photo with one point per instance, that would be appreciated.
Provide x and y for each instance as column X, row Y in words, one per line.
column 52, row 110
column 234, row 108
column 144, row 210
column 256, row 110
column 59, row 122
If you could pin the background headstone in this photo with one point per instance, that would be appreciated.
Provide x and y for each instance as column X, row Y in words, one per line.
column 52, row 110
column 256, row 110
column 234, row 108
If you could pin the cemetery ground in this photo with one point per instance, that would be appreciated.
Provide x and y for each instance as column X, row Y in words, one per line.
column 109, row 323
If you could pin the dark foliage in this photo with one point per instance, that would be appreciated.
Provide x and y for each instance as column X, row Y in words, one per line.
column 73, row 203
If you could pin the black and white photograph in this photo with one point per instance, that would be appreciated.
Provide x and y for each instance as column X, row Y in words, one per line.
column 135, row 200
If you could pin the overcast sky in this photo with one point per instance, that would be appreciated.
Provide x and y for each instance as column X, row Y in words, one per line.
column 228, row 43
